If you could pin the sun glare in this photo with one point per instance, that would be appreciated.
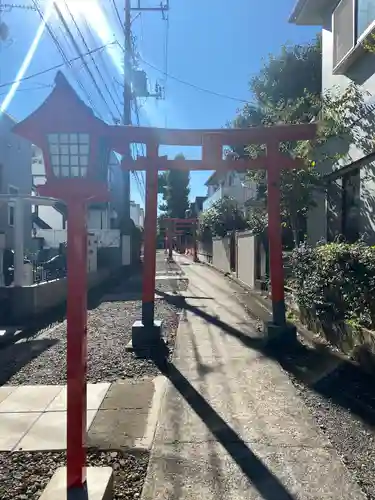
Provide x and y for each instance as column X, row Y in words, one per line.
column 28, row 58
column 96, row 17
column 98, row 21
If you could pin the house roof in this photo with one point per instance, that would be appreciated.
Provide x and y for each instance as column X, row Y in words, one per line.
column 38, row 221
column 357, row 164
column 214, row 178
column 311, row 12
column 9, row 116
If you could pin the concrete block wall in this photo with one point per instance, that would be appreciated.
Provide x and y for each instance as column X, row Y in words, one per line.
column 221, row 253
column 30, row 301
column 246, row 258
column 205, row 251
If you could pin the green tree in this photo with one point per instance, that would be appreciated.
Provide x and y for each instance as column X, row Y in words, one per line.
column 288, row 90
column 221, row 218
column 174, row 187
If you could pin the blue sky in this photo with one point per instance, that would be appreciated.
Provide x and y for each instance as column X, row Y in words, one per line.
column 212, row 44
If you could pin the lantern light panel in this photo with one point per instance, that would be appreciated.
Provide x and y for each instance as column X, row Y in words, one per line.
column 69, row 154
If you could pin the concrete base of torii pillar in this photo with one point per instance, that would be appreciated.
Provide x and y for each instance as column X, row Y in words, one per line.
column 98, row 486
column 279, row 336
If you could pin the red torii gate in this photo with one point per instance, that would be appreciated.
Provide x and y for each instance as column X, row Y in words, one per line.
column 172, row 230
column 64, row 114
column 212, row 143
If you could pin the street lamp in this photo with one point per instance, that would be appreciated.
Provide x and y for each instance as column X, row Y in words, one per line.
column 76, row 160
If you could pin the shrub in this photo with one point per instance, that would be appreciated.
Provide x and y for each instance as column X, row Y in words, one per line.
column 336, row 281
column 221, row 218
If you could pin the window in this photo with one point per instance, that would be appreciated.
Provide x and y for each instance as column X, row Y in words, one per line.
column 343, row 30
column 351, row 205
column 69, row 154
column 352, row 21
column 11, row 190
column 365, row 15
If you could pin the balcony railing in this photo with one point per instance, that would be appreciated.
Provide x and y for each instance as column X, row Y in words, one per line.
column 240, row 193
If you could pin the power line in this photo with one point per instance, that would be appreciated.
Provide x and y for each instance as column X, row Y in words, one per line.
column 118, row 15
column 78, row 50
column 40, row 87
column 192, row 85
column 102, row 60
column 63, row 55
column 94, row 62
column 57, row 66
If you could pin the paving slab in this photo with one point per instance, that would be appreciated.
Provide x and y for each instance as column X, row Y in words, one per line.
column 12, row 429
column 128, row 415
column 30, row 398
column 99, row 485
column 34, row 417
column 95, row 395
column 114, row 429
column 129, row 394
column 49, row 432
column 5, row 391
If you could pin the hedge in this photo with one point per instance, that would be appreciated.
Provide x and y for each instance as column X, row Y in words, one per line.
column 336, row 282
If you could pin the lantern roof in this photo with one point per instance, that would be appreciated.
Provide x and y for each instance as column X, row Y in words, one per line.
column 62, row 112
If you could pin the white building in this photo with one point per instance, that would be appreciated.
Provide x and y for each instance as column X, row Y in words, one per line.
column 137, row 214
column 346, row 26
column 231, row 184
column 15, row 178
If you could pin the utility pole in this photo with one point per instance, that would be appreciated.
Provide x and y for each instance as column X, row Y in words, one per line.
column 127, row 111
column 130, row 90
column 127, row 118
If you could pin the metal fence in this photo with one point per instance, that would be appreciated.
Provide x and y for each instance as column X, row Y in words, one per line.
column 39, row 269
column 41, row 274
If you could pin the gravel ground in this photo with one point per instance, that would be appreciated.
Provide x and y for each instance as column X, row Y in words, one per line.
column 42, row 359
column 23, row 476
column 343, row 405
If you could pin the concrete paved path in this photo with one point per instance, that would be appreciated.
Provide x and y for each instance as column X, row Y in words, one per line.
column 33, row 417
column 232, row 425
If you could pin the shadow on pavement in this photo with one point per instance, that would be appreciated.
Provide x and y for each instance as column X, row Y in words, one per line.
column 345, row 384
column 257, row 473
column 180, row 302
column 16, row 356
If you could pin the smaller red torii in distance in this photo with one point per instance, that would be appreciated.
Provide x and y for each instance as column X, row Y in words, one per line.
column 171, row 231
column 212, row 143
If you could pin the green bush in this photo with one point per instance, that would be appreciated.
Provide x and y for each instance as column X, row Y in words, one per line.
column 336, row 281
column 221, row 218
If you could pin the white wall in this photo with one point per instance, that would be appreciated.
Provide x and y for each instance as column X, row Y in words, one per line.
column 137, row 214
column 51, row 216
column 246, row 257
column 362, row 73
column 106, row 238
column 233, row 185
column 15, row 158
column 98, row 219
column 221, row 253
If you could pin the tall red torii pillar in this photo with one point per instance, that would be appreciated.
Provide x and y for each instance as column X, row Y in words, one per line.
column 212, row 143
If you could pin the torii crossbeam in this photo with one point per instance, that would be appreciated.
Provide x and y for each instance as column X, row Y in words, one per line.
column 213, row 142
